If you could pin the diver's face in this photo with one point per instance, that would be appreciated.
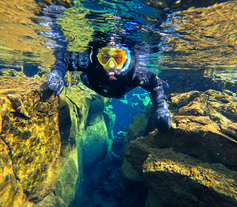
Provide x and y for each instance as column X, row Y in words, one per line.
column 112, row 62
column 83, row 60
column 112, row 59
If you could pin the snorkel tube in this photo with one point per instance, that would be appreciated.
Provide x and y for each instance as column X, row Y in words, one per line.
column 128, row 61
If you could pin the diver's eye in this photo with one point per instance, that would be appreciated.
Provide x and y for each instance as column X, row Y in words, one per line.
column 118, row 59
column 105, row 58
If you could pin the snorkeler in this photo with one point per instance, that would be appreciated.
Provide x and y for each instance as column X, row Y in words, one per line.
column 112, row 71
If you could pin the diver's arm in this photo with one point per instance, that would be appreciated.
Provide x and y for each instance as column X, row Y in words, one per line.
column 56, row 76
column 55, row 80
column 163, row 116
column 150, row 82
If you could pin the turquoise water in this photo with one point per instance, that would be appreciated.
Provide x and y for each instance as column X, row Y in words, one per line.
column 193, row 49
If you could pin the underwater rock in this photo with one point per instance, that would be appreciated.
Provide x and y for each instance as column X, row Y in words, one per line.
column 74, row 107
column 52, row 201
column 11, row 192
column 95, row 143
column 30, row 138
column 180, row 81
column 92, row 125
column 84, row 139
column 67, row 179
column 137, row 128
column 194, row 163
column 95, row 134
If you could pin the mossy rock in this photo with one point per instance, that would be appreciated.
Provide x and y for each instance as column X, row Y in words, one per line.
column 30, row 134
column 195, row 161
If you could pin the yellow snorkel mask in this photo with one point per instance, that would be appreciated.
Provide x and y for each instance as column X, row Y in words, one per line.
column 112, row 58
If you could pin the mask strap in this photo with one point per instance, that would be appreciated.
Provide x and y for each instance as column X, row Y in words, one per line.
column 91, row 55
column 128, row 61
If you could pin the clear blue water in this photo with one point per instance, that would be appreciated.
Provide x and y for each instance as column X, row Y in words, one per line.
column 137, row 21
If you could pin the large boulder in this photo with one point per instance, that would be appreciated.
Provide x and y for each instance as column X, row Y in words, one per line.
column 95, row 137
column 195, row 162
column 74, row 106
column 95, row 143
column 84, row 139
column 34, row 160
column 30, row 141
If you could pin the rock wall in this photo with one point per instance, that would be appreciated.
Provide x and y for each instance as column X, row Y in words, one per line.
column 38, row 167
column 30, row 141
column 84, row 140
column 193, row 164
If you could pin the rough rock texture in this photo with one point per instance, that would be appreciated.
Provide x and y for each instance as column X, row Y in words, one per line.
column 30, row 141
column 193, row 164
column 81, row 128
column 69, row 173
column 92, row 125
column 181, row 81
column 95, row 143
column 11, row 192
column 52, row 201
column 74, row 107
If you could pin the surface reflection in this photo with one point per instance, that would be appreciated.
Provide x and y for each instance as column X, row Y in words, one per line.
column 20, row 43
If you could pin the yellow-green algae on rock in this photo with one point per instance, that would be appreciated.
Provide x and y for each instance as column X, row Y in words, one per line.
column 195, row 161
column 30, row 138
column 75, row 103
column 11, row 193
column 214, row 176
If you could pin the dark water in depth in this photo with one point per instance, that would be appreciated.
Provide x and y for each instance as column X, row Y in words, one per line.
column 184, row 46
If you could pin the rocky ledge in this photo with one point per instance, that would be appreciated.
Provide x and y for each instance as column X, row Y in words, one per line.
column 193, row 164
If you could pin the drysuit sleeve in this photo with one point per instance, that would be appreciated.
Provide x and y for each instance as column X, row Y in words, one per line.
column 148, row 80
column 55, row 80
column 56, row 76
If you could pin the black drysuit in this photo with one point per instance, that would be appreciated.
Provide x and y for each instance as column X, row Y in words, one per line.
column 97, row 78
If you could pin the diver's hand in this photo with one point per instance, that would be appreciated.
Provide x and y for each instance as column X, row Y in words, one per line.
column 55, row 81
column 163, row 117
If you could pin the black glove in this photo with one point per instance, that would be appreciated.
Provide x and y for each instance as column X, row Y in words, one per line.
column 55, row 81
column 163, row 117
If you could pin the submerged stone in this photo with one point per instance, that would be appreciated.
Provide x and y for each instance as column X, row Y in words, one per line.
column 194, row 163
column 84, row 140
column 31, row 142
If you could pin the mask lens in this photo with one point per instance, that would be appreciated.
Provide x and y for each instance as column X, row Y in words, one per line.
column 105, row 58
column 118, row 59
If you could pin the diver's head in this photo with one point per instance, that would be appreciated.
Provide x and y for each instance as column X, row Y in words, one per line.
column 83, row 60
column 112, row 57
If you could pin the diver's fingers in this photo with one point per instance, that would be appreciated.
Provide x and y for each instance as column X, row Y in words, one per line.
column 60, row 88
